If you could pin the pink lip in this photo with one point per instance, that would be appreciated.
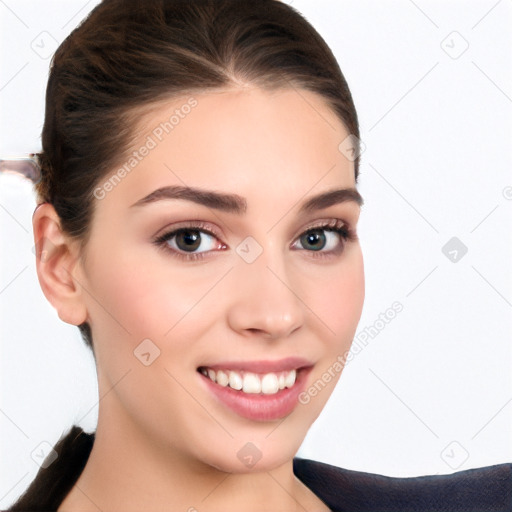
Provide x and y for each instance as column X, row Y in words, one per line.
column 280, row 365
column 259, row 407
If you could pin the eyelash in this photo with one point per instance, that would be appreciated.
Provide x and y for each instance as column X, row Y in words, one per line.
column 338, row 226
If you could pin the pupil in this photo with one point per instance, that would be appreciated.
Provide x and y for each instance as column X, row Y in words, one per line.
column 188, row 240
column 314, row 239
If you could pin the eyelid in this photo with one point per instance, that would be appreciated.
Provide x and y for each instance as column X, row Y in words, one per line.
column 324, row 223
column 212, row 229
column 190, row 224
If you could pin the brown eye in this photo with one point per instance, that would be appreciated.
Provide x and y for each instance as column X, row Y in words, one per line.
column 188, row 240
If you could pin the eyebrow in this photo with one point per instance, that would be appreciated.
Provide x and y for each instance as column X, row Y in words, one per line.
column 233, row 203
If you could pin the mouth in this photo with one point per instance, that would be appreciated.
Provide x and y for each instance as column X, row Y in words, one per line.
column 250, row 382
column 260, row 391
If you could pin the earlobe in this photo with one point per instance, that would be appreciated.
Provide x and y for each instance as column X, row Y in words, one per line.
column 58, row 265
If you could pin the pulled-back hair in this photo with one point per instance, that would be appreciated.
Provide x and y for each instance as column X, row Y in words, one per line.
column 130, row 54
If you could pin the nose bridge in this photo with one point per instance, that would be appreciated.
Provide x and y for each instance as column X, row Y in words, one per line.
column 265, row 299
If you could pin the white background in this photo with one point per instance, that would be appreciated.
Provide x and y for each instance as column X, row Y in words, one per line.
column 432, row 391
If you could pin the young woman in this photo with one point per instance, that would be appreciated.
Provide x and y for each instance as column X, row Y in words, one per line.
column 197, row 220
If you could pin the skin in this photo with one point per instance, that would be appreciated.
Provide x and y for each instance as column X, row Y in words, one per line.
column 163, row 442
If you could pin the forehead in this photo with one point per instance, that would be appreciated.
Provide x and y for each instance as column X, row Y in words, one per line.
column 247, row 141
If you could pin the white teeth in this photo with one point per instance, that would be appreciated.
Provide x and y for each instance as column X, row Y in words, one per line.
column 252, row 383
column 289, row 380
column 235, row 381
column 222, row 378
column 270, row 384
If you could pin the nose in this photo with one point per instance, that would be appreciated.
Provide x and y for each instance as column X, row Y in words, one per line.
column 265, row 303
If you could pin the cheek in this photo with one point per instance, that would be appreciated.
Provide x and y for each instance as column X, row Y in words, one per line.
column 339, row 305
column 338, row 301
column 136, row 301
column 143, row 295
column 129, row 299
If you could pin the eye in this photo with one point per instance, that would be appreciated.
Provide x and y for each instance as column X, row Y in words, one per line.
column 326, row 239
column 318, row 239
column 190, row 242
column 194, row 242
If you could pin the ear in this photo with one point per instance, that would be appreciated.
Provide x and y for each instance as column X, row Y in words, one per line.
column 58, row 265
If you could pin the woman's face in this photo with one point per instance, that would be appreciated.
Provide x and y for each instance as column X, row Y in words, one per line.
column 251, row 290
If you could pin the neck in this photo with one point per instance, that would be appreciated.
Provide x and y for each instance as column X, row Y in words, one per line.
column 127, row 471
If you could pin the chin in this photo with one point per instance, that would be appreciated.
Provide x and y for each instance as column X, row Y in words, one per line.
column 256, row 451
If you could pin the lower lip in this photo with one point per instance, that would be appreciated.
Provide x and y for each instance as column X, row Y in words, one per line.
column 257, row 406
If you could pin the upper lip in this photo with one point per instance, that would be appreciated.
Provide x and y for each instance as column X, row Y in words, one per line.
column 262, row 366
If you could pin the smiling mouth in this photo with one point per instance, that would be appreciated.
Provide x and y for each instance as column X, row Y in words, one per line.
column 250, row 382
column 257, row 390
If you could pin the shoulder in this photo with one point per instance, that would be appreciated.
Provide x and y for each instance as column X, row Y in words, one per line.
column 474, row 490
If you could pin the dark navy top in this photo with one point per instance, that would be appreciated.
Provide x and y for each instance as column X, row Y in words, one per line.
column 486, row 489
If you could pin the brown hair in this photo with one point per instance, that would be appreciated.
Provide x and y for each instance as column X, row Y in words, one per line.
column 129, row 54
